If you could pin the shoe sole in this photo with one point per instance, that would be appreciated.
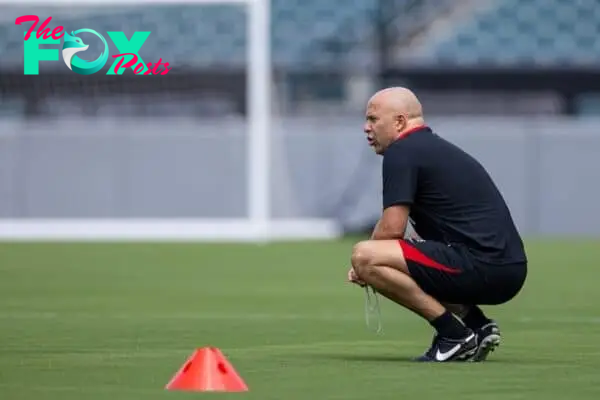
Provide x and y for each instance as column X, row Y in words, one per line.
column 487, row 346
column 466, row 356
column 461, row 357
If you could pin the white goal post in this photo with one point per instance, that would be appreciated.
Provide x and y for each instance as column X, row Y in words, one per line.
column 258, row 226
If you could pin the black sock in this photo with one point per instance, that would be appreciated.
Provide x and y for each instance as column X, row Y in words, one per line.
column 475, row 318
column 447, row 325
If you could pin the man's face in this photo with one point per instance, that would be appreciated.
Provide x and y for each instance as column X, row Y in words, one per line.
column 382, row 127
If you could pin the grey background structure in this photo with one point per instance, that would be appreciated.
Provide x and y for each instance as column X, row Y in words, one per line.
column 548, row 170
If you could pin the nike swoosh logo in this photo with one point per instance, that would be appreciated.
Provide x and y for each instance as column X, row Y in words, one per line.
column 444, row 356
column 439, row 356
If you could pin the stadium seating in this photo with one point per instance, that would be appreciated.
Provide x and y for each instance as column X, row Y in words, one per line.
column 318, row 33
column 519, row 32
column 305, row 33
column 215, row 35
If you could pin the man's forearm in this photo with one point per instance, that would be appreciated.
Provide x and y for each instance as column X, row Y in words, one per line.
column 383, row 231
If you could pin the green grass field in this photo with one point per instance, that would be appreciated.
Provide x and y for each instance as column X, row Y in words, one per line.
column 116, row 321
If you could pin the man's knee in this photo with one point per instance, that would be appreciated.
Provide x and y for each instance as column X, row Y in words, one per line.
column 362, row 255
column 369, row 254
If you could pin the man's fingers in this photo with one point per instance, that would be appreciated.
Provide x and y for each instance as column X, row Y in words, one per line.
column 352, row 278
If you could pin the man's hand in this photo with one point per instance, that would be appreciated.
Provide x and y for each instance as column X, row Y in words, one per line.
column 353, row 278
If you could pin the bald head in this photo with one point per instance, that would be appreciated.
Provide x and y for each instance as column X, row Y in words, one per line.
column 390, row 113
column 398, row 100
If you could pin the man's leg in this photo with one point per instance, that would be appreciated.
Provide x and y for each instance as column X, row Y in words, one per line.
column 381, row 264
column 488, row 332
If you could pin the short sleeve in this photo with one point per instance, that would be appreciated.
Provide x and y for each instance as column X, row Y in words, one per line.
column 399, row 180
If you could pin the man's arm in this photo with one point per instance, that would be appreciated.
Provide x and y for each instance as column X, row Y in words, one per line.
column 392, row 224
column 399, row 173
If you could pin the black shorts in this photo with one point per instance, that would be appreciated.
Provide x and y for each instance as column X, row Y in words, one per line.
column 450, row 274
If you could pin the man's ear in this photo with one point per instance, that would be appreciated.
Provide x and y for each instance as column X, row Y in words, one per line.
column 401, row 122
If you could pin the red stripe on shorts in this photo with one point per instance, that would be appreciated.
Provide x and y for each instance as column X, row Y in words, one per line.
column 415, row 255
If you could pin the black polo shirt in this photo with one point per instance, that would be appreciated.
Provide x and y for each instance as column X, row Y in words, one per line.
column 451, row 196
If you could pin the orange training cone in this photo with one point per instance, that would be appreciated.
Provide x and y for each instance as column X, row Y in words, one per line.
column 207, row 369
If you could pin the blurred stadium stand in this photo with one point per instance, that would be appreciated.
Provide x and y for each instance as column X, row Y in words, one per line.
column 517, row 33
column 306, row 33
column 316, row 44
column 498, row 64
column 331, row 53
